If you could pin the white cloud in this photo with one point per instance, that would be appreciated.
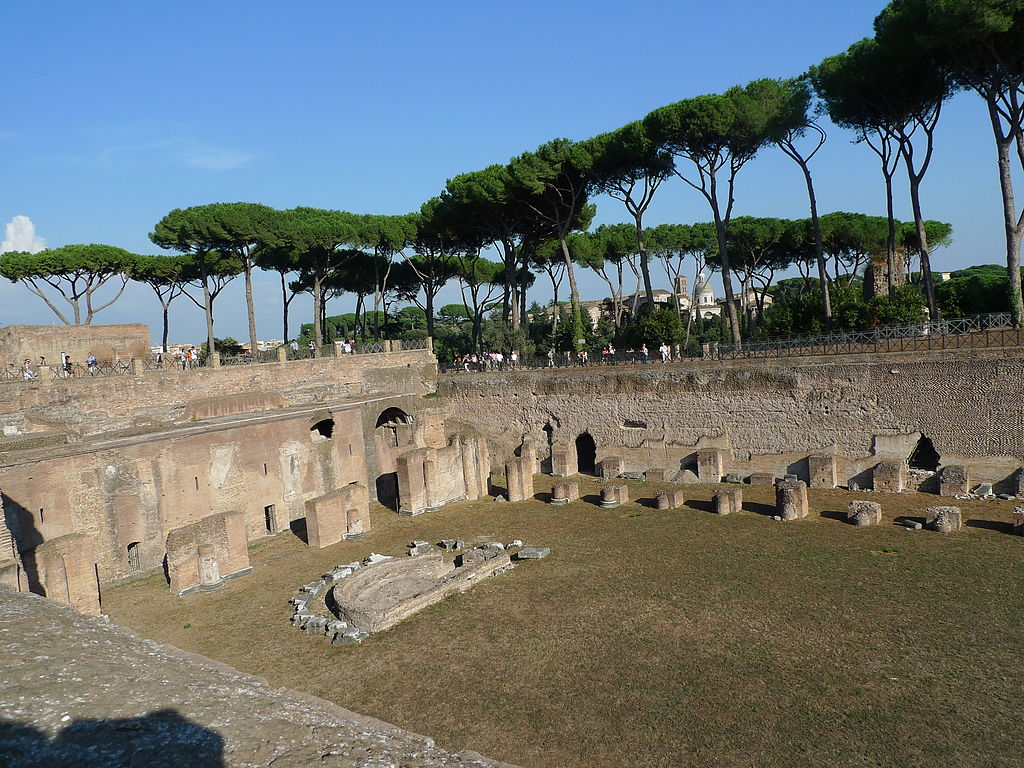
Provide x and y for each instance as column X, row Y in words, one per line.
column 216, row 159
column 21, row 236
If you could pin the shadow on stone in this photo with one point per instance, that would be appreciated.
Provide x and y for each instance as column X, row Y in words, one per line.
column 298, row 527
column 163, row 737
column 702, row 506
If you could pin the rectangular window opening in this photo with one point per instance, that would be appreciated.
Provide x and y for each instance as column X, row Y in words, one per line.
column 269, row 519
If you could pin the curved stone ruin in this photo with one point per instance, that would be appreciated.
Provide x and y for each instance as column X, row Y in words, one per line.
column 381, row 591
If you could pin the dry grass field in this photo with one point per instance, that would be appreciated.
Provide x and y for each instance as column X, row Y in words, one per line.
column 662, row 638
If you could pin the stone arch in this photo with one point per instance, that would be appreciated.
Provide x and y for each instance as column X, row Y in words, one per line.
column 323, row 429
column 924, row 456
column 395, row 426
column 586, row 454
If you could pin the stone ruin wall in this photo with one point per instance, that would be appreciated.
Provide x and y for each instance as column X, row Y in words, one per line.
column 765, row 418
column 85, row 406
column 106, row 342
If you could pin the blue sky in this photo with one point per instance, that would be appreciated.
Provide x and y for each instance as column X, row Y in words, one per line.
column 119, row 112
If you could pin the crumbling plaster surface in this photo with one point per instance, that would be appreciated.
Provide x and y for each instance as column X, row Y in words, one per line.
column 766, row 416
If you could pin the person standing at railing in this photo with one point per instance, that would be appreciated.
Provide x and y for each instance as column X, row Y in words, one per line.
column 645, row 356
column 551, row 357
column 69, row 367
column 90, row 364
column 27, row 371
column 663, row 349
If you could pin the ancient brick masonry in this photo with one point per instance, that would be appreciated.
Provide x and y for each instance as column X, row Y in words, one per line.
column 339, row 515
column 225, row 539
column 822, row 471
column 890, row 476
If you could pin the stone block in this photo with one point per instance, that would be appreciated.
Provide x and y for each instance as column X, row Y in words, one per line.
column 791, row 499
column 613, row 495
column 736, row 478
column 412, row 482
column 944, row 519
column 654, row 475
column 10, row 575
column 983, row 490
column 532, row 553
column 452, row 544
column 476, row 466
column 519, row 478
column 822, row 471
column 67, row 572
column 954, row 481
column 889, row 476
column 419, row 548
column 728, row 501
column 762, row 478
column 611, row 467
column 564, row 492
column 864, row 513
column 1017, row 483
column 339, row 515
column 225, row 532
column 710, row 465
column 661, row 501
column 685, row 477
column 563, row 460
column 1018, row 521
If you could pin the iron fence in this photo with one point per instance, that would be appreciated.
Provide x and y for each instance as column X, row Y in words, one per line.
column 92, row 370
column 977, row 331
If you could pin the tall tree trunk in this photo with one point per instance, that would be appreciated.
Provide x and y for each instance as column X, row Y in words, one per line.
column 721, row 230
column 249, row 308
column 163, row 338
column 208, row 304
column 644, row 267
column 574, row 291
column 922, row 242
column 819, row 250
column 284, row 304
column 430, row 311
column 318, row 329
column 1011, row 223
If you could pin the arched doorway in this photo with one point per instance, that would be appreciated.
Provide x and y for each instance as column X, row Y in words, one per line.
column 586, row 454
column 924, row 456
column 395, row 427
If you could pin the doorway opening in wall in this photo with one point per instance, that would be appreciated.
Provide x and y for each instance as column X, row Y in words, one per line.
column 387, row 490
column 134, row 558
column 323, row 429
column 549, row 434
column 394, row 426
column 269, row 519
column 586, row 454
column 924, row 456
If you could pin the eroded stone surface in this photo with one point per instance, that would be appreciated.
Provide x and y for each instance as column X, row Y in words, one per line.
column 105, row 697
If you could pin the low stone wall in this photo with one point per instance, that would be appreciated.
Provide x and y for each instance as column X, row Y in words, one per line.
column 763, row 418
column 84, row 406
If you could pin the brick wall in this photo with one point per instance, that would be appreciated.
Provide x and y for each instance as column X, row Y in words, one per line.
column 106, row 342
column 767, row 418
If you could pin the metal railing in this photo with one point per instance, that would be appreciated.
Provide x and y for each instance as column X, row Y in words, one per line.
column 992, row 330
column 87, row 370
column 977, row 331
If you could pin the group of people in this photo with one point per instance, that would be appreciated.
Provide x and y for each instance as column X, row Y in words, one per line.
column 66, row 369
column 490, row 361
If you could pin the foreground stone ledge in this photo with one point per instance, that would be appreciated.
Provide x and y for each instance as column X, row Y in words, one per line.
column 71, row 703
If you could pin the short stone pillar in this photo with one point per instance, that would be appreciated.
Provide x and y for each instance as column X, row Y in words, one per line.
column 889, row 476
column 282, row 354
column 791, row 499
column 44, row 375
column 412, row 482
column 519, row 478
column 138, row 367
column 563, row 461
column 213, row 360
column 822, row 471
column 728, row 500
column 338, row 515
column 762, row 478
column 209, row 570
column 944, row 519
column 710, row 465
column 669, row 500
column 864, row 513
column 564, row 492
column 1016, row 482
column 611, row 467
column 614, row 495
column 954, row 481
